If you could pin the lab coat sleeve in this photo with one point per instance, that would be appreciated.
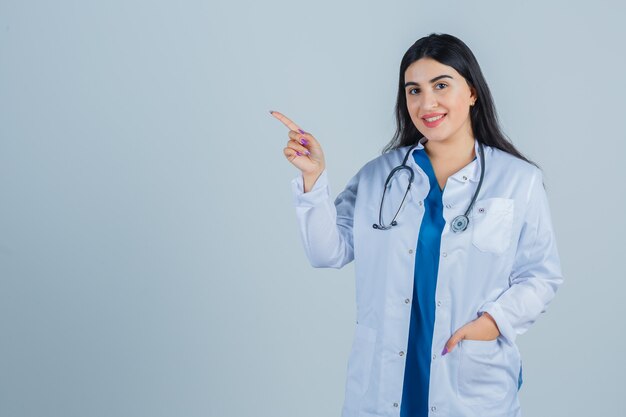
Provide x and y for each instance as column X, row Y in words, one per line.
column 536, row 272
column 325, row 227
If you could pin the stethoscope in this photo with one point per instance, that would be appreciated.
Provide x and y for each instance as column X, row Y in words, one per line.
column 459, row 223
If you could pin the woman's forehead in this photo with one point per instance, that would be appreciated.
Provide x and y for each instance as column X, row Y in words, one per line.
column 425, row 69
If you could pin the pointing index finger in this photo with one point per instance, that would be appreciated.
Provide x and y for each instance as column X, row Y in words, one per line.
column 286, row 121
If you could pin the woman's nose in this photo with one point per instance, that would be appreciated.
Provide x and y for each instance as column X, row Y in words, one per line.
column 429, row 101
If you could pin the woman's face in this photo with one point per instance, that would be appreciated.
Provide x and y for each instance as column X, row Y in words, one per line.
column 438, row 92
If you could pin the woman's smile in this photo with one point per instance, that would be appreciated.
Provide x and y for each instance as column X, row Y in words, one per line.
column 433, row 119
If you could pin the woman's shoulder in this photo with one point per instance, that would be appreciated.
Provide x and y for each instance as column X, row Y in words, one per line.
column 516, row 173
column 384, row 162
column 506, row 163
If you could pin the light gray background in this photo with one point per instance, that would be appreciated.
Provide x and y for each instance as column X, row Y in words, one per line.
column 149, row 258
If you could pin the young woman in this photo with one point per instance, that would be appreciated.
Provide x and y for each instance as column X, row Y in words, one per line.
column 453, row 244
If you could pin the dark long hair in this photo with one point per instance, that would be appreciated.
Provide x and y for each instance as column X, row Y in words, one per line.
column 451, row 51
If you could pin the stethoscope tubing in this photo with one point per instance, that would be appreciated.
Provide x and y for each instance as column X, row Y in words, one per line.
column 459, row 223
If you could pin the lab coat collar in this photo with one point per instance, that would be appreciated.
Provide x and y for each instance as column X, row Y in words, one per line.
column 470, row 172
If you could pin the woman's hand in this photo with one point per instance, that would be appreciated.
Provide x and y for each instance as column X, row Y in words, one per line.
column 482, row 328
column 303, row 151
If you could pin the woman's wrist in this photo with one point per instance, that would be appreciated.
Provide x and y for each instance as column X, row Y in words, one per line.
column 491, row 318
column 309, row 180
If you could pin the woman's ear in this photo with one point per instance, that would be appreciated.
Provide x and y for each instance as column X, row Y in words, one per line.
column 473, row 95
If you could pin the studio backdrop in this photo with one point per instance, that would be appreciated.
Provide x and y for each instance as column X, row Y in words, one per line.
column 150, row 263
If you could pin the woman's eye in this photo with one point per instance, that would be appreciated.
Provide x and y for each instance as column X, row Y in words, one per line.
column 413, row 89
column 438, row 84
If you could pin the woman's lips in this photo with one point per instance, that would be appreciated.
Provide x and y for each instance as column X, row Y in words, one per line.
column 434, row 123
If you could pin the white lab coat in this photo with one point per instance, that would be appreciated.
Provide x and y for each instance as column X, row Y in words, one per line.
column 506, row 263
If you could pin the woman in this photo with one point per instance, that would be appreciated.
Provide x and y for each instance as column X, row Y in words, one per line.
column 454, row 251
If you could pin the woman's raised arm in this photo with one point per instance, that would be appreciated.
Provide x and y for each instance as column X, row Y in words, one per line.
column 325, row 226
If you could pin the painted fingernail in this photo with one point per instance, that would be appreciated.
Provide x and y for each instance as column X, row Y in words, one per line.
column 301, row 131
column 307, row 152
column 298, row 153
column 304, row 141
column 445, row 350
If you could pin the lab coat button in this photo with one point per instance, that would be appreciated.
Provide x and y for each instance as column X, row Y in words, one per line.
column 410, row 251
column 464, row 178
column 433, row 408
column 401, row 353
column 407, row 301
column 420, row 203
column 444, row 254
column 434, row 356
column 438, row 303
column 395, row 404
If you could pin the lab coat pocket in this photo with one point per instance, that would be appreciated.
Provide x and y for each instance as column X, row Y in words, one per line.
column 483, row 374
column 492, row 220
column 360, row 363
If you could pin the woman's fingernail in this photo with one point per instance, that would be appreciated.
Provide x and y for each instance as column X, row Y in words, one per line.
column 445, row 350
column 298, row 153
column 303, row 141
column 307, row 152
column 301, row 131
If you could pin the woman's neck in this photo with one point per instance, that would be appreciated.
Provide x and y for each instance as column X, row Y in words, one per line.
column 449, row 157
column 451, row 151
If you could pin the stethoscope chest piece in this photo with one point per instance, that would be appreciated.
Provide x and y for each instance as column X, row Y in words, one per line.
column 459, row 223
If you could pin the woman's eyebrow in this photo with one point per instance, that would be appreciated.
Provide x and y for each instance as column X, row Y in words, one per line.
column 431, row 81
